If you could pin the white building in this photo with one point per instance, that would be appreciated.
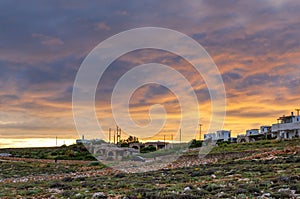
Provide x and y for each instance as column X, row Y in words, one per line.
column 223, row 135
column 210, row 135
column 287, row 127
column 219, row 135
column 252, row 132
column 265, row 129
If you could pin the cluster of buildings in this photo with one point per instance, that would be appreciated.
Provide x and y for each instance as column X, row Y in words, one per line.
column 287, row 127
column 106, row 151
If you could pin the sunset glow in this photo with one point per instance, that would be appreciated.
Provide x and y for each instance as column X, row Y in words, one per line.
column 255, row 45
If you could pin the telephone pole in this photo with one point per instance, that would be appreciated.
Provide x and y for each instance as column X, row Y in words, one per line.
column 109, row 134
column 297, row 109
column 200, row 125
column 180, row 136
column 114, row 136
column 117, row 133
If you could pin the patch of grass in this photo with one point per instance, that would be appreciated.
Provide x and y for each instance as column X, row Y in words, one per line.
column 233, row 179
column 72, row 152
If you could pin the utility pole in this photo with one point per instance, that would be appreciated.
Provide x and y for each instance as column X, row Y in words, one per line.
column 165, row 141
column 114, row 137
column 109, row 134
column 180, row 136
column 117, row 133
column 297, row 109
column 200, row 131
column 56, row 140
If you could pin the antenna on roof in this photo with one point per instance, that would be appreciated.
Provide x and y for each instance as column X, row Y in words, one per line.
column 297, row 109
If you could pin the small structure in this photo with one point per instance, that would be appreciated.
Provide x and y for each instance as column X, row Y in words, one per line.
column 212, row 136
column 252, row 132
column 111, row 152
column 158, row 145
column 265, row 129
column 5, row 155
column 253, row 135
column 83, row 141
column 287, row 127
column 89, row 142
column 232, row 140
column 244, row 138
column 136, row 145
column 221, row 135
column 224, row 135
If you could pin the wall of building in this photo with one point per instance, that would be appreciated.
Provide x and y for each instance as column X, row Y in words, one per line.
column 252, row 132
column 265, row 129
column 286, row 126
column 209, row 135
column 223, row 134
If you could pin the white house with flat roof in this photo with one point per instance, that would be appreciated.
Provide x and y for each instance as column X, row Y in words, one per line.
column 209, row 135
column 219, row 135
column 252, row 132
column 287, row 127
column 223, row 135
column 265, row 129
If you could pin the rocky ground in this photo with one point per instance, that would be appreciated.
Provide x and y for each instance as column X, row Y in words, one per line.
column 272, row 171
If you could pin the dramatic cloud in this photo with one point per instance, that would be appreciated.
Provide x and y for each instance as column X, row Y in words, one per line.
column 255, row 44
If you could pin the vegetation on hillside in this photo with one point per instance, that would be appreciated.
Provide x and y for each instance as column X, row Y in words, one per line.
column 269, row 175
column 72, row 152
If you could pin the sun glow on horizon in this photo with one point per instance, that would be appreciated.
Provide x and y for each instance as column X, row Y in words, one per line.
column 34, row 142
column 255, row 46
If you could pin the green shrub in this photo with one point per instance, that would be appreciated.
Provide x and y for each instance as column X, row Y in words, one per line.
column 195, row 143
column 148, row 149
column 94, row 164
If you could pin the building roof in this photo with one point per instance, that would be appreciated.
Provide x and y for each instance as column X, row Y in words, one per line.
column 157, row 143
column 286, row 117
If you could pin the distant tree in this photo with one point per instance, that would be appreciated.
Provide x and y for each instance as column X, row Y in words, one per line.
column 195, row 143
column 130, row 139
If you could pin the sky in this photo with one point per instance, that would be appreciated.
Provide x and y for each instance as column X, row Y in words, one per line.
column 255, row 45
